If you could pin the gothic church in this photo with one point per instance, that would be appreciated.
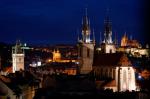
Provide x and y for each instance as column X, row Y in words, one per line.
column 107, row 65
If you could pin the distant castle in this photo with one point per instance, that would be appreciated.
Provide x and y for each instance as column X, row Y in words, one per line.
column 133, row 47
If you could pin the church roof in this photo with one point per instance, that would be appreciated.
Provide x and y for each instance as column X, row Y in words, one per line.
column 111, row 59
column 112, row 83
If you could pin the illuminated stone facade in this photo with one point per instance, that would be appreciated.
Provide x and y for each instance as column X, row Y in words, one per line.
column 133, row 47
column 86, row 57
column 135, row 52
column 125, row 75
column 56, row 56
column 18, row 57
column 108, row 48
column 116, row 67
column 124, row 40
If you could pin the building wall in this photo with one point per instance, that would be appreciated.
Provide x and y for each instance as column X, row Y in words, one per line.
column 56, row 56
column 86, row 53
column 18, row 62
column 125, row 78
column 104, row 72
column 108, row 48
column 138, row 52
column 9, row 92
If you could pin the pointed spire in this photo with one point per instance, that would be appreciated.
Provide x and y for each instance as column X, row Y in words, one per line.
column 116, row 41
column 107, row 18
column 78, row 35
column 85, row 19
column 107, row 12
column 86, row 28
column 107, row 29
column 93, row 36
column 86, row 12
column 130, row 37
column 18, row 42
column 54, row 51
column 125, row 34
column 100, row 38
column 57, row 50
column 85, row 22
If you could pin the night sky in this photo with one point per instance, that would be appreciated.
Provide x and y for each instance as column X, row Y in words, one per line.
column 57, row 21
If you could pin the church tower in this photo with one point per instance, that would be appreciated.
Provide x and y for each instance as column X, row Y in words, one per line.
column 108, row 45
column 18, row 57
column 86, row 47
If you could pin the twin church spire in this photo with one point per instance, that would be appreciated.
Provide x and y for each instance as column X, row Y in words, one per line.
column 86, row 30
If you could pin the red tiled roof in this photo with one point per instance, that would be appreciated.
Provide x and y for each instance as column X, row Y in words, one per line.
column 111, row 59
column 112, row 83
column 106, row 59
column 8, row 69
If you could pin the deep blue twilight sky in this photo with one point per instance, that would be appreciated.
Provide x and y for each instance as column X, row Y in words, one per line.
column 57, row 21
